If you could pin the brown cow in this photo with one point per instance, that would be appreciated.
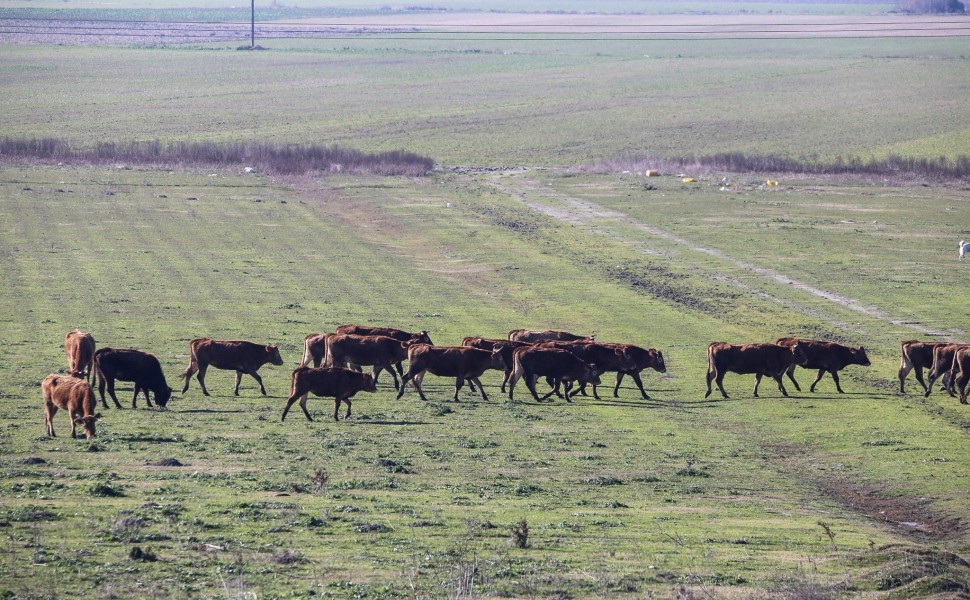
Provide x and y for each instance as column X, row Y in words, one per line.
column 606, row 357
column 379, row 351
column 131, row 365
column 234, row 355
column 827, row 357
column 961, row 378
column 506, row 347
column 916, row 356
column 79, row 347
column 460, row 362
column 73, row 395
column 746, row 359
column 315, row 349
column 339, row 384
column 642, row 358
column 943, row 365
column 548, row 335
column 561, row 366
column 400, row 335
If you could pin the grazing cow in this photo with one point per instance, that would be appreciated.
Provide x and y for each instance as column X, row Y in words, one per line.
column 964, row 248
column 315, row 349
column 549, row 335
column 79, row 347
column 827, row 357
column 339, row 384
column 961, row 377
column 398, row 334
column 916, row 356
column 943, row 365
column 73, row 395
column 506, row 347
column 131, row 365
column 235, row 355
column 747, row 359
column 380, row 351
column 559, row 365
column 460, row 362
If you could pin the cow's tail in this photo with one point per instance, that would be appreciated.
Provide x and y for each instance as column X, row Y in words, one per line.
column 98, row 374
column 307, row 355
column 193, row 358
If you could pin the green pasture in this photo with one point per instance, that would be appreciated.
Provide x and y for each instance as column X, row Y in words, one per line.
column 505, row 99
column 624, row 497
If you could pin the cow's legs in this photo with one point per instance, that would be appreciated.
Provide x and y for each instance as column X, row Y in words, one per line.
column 636, row 378
column 336, row 408
column 111, row 392
column 530, row 382
column 757, row 382
column 291, row 400
column 904, row 368
column 148, row 400
column 718, row 378
column 50, row 409
column 481, row 388
column 781, row 384
column 259, row 380
column 201, row 377
column 821, row 373
column 505, row 378
column 459, row 382
column 187, row 375
column 791, row 375
column 418, row 380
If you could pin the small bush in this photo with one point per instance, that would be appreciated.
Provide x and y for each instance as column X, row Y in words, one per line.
column 520, row 534
column 105, row 490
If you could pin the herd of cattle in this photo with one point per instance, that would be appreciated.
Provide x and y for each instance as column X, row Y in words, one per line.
column 562, row 358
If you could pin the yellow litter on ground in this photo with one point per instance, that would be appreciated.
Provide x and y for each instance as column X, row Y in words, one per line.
column 771, row 182
column 689, row 180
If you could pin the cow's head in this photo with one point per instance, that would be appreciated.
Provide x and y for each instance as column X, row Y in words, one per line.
column 861, row 358
column 274, row 355
column 591, row 374
column 163, row 395
column 370, row 385
column 424, row 338
column 498, row 358
column 88, row 424
column 657, row 361
column 800, row 353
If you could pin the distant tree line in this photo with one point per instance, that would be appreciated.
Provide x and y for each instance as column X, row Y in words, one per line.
column 737, row 162
column 931, row 6
column 283, row 159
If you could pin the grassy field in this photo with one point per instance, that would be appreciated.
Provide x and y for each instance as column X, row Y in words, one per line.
column 497, row 100
column 622, row 497
column 820, row 495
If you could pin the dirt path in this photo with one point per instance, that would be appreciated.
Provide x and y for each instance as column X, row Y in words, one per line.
column 583, row 212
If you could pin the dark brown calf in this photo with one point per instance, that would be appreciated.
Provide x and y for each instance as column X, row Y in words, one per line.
column 548, row 335
column 235, row 355
column 379, row 351
column 827, row 357
column 460, row 362
column 79, row 347
column 916, row 356
column 339, row 384
column 131, row 365
column 73, row 395
column 606, row 357
column 560, row 366
column 747, row 359
column 640, row 358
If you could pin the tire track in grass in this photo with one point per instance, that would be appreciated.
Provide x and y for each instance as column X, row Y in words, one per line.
column 583, row 213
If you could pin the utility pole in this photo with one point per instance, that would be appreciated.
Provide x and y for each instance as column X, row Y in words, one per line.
column 252, row 26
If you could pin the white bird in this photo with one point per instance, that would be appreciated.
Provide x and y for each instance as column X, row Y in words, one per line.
column 964, row 248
